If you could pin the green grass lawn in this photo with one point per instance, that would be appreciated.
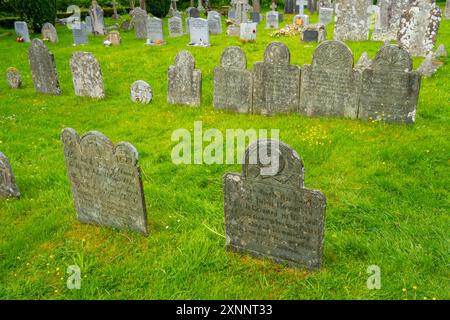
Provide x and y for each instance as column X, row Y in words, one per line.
column 387, row 186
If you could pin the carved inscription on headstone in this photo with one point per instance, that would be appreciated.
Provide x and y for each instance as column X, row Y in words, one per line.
column 105, row 180
column 8, row 187
column 43, row 68
column 49, row 32
column 87, row 75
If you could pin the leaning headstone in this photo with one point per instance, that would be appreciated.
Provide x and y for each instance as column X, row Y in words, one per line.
column 185, row 82
column 268, row 211
column 248, row 31
column 21, row 29
column 388, row 24
column 326, row 15
column 419, row 27
column 87, row 75
column 14, row 78
column 233, row 83
column 140, row 23
column 155, row 35
column 114, row 38
column 352, row 20
column 43, row 68
column 214, row 22
column 390, row 88
column 49, row 33
column 241, row 11
column 105, row 180
column 272, row 20
column 79, row 35
column 276, row 82
column 141, row 92
column 364, row 62
column 175, row 26
column 8, row 187
column 330, row 85
column 96, row 13
column 428, row 67
column 199, row 32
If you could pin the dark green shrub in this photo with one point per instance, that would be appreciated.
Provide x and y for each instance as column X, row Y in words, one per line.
column 8, row 22
column 158, row 8
column 36, row 12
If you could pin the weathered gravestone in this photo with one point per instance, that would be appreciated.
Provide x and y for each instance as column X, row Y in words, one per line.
column 214, row 22
column 105, row 180
column 114, row 38
column 364, row 62
column 248, row 31
column 389, row 19
column 125, row 25
column 290, row 6
column 441, row 53
column 87, row 75
column 268, row 211
column 390, row 88
column 140, row 23
column 175, row 26
column 89, row 28
column 49, row 33
column 330, row 85
column 326, row 15
column 276, row 83
column 96, row 14
column 141, row 92
column 14, row 78
column 43, row 68
column 419, row 27
column 199, row 32
column 447, row 10
column 155, row 35
column 79, row 35
column 272, row 20
column 352, row 20
column 233, row 87
column 8, row 187
column 185, row 82
column 21, row 29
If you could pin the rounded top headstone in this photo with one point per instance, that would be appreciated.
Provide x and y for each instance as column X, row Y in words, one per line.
column 14, row 78
column 141, row 92
column 392, row 58
column 233, row 57
column 333, row 54
column 185, row 60
column 277, row 52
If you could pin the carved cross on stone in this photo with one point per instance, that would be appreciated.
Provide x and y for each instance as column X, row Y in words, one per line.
column 301, row 4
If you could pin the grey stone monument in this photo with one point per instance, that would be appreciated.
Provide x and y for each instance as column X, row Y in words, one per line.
column 87, row 75
column 199, row 32
column 89, row 27
column 105, row 180
column 326, row 15
column 8, row 187
column 419, row 27
column 269, row 213
column 248, row 31
column 96, row 13
column 214, row 22
column 21, row 29
column 43, row 68
column 276, row 82
column 352, row 20
column 141, row 92
column 233, row 83
column 272, row 20
column 447, row 10
column 14, row 78
column 139, row 22
column 185, row 82
column 330, row 85
column 49, row 33
column 175, row 26
column 390, row 88
column 79, row 35
column 155, row 35
column 388, row 25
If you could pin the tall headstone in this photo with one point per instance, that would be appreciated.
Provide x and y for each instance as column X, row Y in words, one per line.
column 447, row 10
column 352, row 20
column 155, row 35
column 270, row 213
column 199, row 32
column 214, row 22
column 87, row 75
column 79, row 35
column 300, row 5
column 388, row 25
column 289, row 6
column 241, row 11
column 89, row 27
column 191, row 13
column 330, row 85
column 21, row 29
column 175, row 26
column 276, row 82
column 185, row 82
column 233, row 83
column 419, row 27
column 14, row 78
column 49, row 33
column 390, row 88
column 96, row 13
column 141, row 92
column 139, row 22
column 115, row 15
column 8, row 187
column 43, row 68
column 326, row 15
column 272, row 20
column 105, row 180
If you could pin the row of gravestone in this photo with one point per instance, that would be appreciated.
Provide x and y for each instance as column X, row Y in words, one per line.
column 386, row 90
column 268, row 213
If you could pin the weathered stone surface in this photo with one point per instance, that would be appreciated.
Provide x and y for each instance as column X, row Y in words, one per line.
column 79, row 35
column 441, row 53
column 89, row 28
column 8, row 187
column 175, row 27
column 419, row 27
column 21, row 29
column 313, row 33
column 233, row 83
column 330, row 85
column 352, row 20
column 269, row 213
column 49, row 33
column 389, row 17
column 43, row 68
column 185, row 82
column 96, row 14
column 14, row 78
column 326, row 15
column 276, row 83
column 390, row 88
column 428, row 67
column 241, row 11
column 248, row 31
column 139, row 22
column 272, row 20
column 199, row 32
column 105, row 180
column 141, row 92
column 87, row 75
column 114, row 38
column 155, row 35
column 214, row 22
column 364, row 62
column 447, row 10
